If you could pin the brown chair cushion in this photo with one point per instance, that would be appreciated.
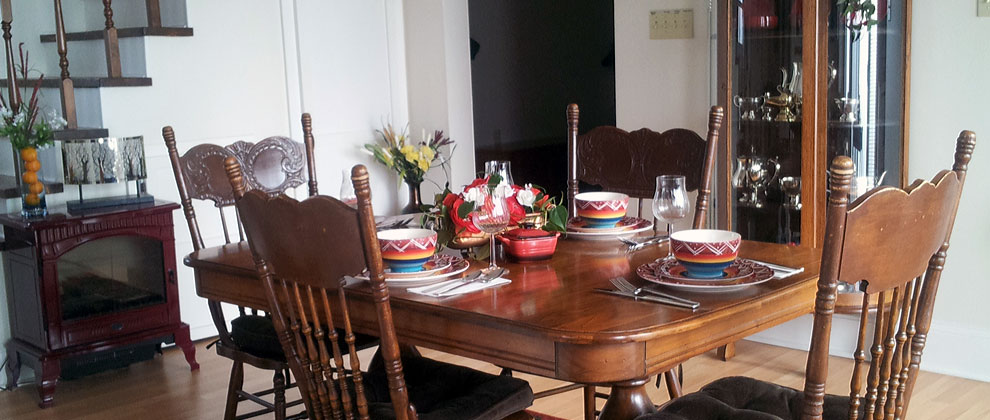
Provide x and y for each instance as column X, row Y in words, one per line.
column 742, row 398
column 442, row 391
column 255, row 334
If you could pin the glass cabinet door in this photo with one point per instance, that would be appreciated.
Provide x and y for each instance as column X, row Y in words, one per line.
column 866, row 111
column 765, row 133
column 779, row 138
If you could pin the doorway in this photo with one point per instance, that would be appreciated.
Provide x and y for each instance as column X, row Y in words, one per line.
column 529, row 59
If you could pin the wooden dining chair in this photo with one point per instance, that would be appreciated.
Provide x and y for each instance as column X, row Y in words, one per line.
column 305, row 253
column 629, row 162
column 889, row 242
column 273, row 165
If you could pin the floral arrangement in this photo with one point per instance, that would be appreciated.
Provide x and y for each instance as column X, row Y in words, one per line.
column 410, row 159
column 454, row 209
column 28, row 130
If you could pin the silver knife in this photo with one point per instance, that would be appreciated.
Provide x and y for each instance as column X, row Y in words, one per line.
column 654, row 299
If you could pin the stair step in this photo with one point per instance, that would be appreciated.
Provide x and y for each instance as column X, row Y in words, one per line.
column 81, row 133
column 122, row 33
column 85, row 82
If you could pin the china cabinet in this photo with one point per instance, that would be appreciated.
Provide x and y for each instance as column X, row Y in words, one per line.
column 806, row 81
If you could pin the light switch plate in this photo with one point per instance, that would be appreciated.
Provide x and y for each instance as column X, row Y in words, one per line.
column 983, row 8
column 672, row 24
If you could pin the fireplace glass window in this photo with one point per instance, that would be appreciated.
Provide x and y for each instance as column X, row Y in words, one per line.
column 109, row 275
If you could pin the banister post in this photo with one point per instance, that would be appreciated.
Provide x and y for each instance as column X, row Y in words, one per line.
column 66, row 88
column 14, row 95
column 110, row 42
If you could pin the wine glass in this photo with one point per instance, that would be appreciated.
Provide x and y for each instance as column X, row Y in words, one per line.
column 491, row 216
column 502, row 168
column 347, row 194
column 670, row 202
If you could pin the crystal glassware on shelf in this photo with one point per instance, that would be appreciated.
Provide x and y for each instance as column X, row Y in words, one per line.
column 347, row 194
column 491, row 215
column 670, row 202
column 502, row 168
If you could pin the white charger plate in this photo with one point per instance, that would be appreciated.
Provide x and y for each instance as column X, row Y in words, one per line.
column 457, row 266
column 634, row 225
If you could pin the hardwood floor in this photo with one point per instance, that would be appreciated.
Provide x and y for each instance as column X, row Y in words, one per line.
column 165, row 388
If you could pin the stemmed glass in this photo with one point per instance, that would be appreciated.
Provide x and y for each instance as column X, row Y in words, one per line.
column 491, row 216
column 670, row 202
column 502, row 168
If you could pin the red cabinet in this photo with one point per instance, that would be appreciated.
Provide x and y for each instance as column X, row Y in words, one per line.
column 80, row 285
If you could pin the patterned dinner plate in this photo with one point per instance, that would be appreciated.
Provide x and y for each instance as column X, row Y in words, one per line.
column 741, row 274
column 627, row 226
column 454, row 265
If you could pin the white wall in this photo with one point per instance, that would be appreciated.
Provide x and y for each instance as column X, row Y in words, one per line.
column 248, row 72
column 660, row 84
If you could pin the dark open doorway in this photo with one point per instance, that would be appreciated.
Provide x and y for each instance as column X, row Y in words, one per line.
column 529, row 60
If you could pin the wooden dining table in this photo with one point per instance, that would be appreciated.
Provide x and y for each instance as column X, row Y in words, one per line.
column 550, row 321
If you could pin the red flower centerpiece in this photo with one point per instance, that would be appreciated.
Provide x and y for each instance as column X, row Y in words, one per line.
column 453, row 211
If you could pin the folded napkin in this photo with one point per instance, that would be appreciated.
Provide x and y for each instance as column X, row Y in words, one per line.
column 780, row 272
column 466, row 288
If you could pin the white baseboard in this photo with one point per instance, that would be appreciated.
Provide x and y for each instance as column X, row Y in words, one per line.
column 951, row 349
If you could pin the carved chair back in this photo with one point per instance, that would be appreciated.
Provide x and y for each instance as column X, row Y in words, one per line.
column 890, row 243
column 629, row 162
column 303, row 266
column 273, row 165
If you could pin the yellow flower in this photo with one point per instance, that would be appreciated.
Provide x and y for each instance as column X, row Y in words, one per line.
column 409, row 152
column 427, row 153
column 424, row 165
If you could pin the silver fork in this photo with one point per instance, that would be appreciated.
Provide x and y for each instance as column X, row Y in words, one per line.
column 624, row 285
column 483, row 278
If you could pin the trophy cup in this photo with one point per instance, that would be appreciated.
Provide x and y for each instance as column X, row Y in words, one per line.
column 791, row 186
column 759, row 173
column 849, row 108
column 748, row 106
column 740, row 180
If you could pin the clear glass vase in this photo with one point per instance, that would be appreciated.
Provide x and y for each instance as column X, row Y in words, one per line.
column 28, row 173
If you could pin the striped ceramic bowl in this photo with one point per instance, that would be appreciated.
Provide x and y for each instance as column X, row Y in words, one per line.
column 406, row 250
column 601, row 209
column 705, row 253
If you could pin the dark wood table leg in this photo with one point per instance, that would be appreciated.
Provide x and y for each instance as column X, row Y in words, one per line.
column 673, row 383
column 589, row 402
column 13, row 367
column 51, row 369
column 188, row 348
column 627, row 400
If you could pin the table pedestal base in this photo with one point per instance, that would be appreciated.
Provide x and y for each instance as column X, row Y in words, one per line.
column 627, row 400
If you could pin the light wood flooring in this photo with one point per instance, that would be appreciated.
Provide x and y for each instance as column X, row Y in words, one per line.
column 164, row 388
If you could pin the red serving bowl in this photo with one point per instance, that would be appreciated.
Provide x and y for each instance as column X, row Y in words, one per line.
column 529, row 244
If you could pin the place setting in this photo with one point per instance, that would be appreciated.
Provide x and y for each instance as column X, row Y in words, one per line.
column 602, row 216
column 707, row 260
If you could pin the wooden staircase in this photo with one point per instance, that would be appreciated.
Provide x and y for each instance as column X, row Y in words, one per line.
column 67, row 84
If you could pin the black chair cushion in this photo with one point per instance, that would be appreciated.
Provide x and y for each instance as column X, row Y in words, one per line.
column 444, row 391
column 255, row 334
column 742, row 398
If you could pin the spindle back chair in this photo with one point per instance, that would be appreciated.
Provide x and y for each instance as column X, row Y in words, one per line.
column 302, row 265
column 273, row 165
column 888, row 241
